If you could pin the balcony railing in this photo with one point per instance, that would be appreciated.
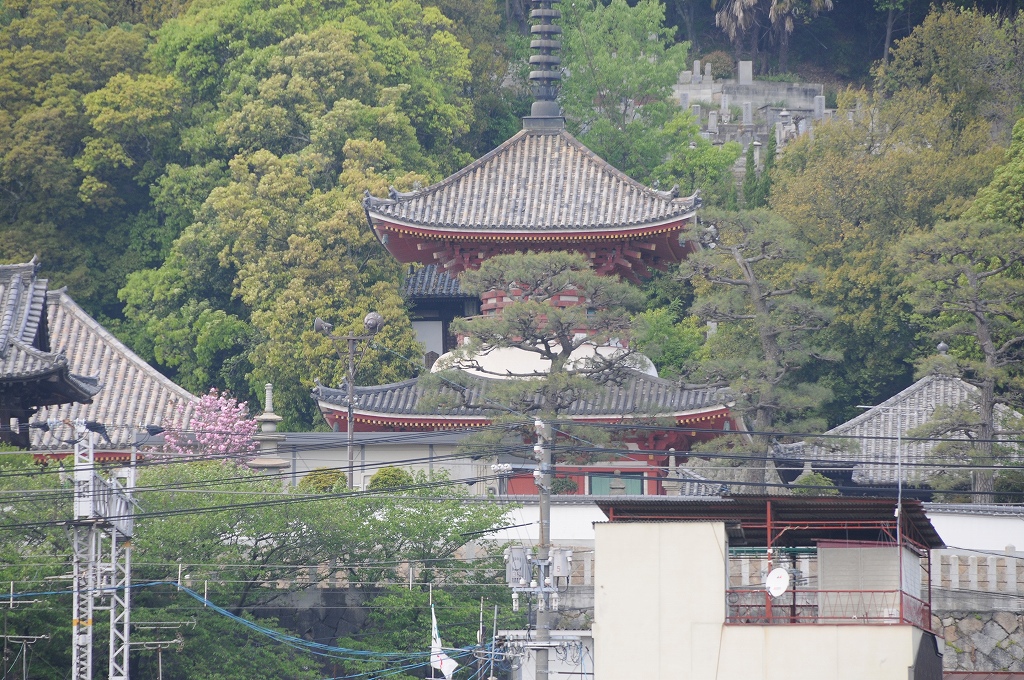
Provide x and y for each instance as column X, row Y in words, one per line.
column 827, row 607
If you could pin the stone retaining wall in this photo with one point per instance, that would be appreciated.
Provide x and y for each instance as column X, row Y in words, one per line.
column 981, row 641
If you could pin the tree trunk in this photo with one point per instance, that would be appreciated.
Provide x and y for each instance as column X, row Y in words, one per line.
column 783, row 49
column 983, row 481
column 691, row 30
column 890, row 20
column 753, row 43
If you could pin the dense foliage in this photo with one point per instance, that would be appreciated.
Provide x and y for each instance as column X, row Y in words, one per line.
column 208, row 526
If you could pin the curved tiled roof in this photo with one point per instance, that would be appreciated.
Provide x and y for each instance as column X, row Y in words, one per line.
column 26, row 358
column 638, row 394
column 135, row 393
column 538, row 180
column 874, row 434
column 433, row 281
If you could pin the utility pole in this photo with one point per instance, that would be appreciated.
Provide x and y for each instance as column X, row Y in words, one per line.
column 161, row 645
column 542, row 450
column 538, row 576
column 373, row 323
column 101, row 534
column 25, row 641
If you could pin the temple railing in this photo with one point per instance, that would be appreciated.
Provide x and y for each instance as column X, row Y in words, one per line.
column 826, row 607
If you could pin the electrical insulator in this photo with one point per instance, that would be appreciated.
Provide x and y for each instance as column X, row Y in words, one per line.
column 533, row 584
column 515, row 602
column 554, row 602
column 541, row 606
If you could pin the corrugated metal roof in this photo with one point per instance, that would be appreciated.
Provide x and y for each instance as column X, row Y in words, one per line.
column 637, row 394
column 808, row 519
column 25, row 353
column 433, row 281
column 537, row 180
column 135, row 393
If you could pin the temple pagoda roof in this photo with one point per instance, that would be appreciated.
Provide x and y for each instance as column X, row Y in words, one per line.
column 540, row 189
column 31, row 374
column 537, row 181
column 638, row 395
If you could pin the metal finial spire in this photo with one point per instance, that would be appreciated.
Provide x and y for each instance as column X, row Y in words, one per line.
column 544, row 81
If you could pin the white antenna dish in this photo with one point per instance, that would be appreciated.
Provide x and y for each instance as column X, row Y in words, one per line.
column 777, row 582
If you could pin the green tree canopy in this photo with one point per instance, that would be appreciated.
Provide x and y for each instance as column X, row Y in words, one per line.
column 322, row 480
column 621, row 63
column 1003, row 198
column 965, row 278
column 971, row 58
column 694, row 163
column 390, row 478
column 880, row 169
column 752, row 280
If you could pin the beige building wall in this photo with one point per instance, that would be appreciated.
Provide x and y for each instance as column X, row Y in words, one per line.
column 660, row 614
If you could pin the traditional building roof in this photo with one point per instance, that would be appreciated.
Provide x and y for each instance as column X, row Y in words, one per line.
column 402, row 404
column 873, row 435
column 135, row 394
column 432, row 281
column 539, row 189
column 31, row 374
column 537, row 181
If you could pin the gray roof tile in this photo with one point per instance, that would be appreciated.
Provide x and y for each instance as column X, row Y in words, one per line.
column 873, row 433
column 135, row 393
column 433, row 281
column 535, row 181
column 638, row 394
column 25, row 352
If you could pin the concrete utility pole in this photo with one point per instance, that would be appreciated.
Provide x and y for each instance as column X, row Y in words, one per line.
column 538, row 576
column 373, row 323
column 542, row 450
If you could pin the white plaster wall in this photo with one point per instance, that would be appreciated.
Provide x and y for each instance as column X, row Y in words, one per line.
column 810, row 652
column 660, row 613
column 376, row 456
column 430, row 334
column 570, row 524
column 659, row 598
column 979, row 532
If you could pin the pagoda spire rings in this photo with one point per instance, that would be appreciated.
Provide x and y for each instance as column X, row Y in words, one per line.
column 545, row 78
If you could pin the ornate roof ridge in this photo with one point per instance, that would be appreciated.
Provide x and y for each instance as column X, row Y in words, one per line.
column 633, row 396
column 395, row 197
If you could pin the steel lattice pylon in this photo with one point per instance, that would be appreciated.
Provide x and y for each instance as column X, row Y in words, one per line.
column 85, row 541
column 101, row 539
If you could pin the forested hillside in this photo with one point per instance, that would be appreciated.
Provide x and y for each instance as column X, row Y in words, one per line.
column 193, row 173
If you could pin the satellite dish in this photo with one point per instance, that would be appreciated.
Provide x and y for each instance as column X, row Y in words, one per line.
column 777, row 582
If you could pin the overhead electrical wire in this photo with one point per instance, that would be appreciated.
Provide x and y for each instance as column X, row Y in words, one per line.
column 33, row 495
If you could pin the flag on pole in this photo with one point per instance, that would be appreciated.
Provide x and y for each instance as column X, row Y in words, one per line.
column 438, row 659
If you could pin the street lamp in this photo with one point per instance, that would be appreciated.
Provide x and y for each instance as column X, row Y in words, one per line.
column 372, row 323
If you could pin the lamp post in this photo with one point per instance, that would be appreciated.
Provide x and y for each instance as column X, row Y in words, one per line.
column 372, row 323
